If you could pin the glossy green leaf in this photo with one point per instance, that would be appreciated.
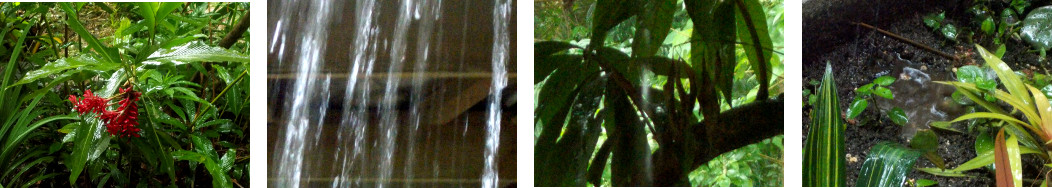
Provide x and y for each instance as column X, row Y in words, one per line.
column 77, row 63
column 883, row 92
column 856, row 108
column 547, row 65
column 944, row 125
column 824, row 149
column 610, row 13
column 949, row 31
column 898, row 116
column 926, row 142
column 886, row 165
column 926, row 183
column 884, row 80
column 1037, row 28
column 193, row 52
column 970, row 74
column 1011, row 81
column 988, row 115
column 864, row 90
column 934, row 20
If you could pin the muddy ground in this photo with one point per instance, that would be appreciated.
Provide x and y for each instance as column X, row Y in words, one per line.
column 859, row 55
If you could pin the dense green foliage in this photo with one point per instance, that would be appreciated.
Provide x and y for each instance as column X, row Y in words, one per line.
column 658, row 93
column 192, row 116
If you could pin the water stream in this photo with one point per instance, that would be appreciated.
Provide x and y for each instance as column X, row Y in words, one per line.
column 361, row 89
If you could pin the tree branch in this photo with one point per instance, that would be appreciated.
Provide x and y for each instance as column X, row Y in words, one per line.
column 236, row 32
column 738, row 127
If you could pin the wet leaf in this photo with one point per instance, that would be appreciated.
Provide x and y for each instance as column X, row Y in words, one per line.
column 856, row 108
column 886, row 165
column 949, row 31
column 927, row 143
column 926, row 183
column 944, row 125
column 1005, row 74
column 864, row 90
column 193, row 52
column 884, row 80
column 934, row 20
column 1037, row 28
column 824, row 163
column 1003, row 159
column 883, row 92
column 898, row 116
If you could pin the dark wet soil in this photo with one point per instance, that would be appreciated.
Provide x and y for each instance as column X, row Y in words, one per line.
column 859, row 55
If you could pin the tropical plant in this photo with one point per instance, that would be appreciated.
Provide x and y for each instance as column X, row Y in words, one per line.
column 863, row 94
column 148, row 89
column 599, row 106
column 1025, row 137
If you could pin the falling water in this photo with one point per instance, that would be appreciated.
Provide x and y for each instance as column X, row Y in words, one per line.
column 501, row 41
column 392, row 60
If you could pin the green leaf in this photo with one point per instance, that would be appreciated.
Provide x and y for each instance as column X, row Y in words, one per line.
column 934, row 20
column 547, row 65
column 1006, row 159
column 988, row 25
column 884, row 80
column 856, row 108
column 607, row 14
column 824, row 149
column 78, row 63
column 652, row 26
column 864, row 90
column 927, row 143
column 970, row 74
column 193, row 52
column 109, row 55
column 1037, row 28
column 886, row 166
column 883, row 92
column 926, row 183
column 898, row 116
column 944, row 125
column 752, row 28
column 1006, row 75
column 949, row 31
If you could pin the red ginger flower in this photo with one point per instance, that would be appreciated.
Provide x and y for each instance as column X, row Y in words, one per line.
column 90, row 103
column 122, row 122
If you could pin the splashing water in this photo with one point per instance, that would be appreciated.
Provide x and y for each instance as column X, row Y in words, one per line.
column 395, row 61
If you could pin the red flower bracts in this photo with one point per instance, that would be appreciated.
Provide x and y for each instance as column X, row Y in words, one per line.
column 121, row 122
column 90, row 103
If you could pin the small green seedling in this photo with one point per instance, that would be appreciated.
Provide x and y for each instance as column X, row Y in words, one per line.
column 937, row 23
column 862, row 95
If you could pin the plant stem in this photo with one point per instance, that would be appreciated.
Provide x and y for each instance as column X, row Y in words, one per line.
column 212, row 103
column 911, row 42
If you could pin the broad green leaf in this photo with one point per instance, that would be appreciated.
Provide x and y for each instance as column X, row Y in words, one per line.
column 610, row 13
column 883, row 92
column 970, row 74
column 78, row 63
column 927, row 143
column 864, row 90
column 934, row 20
column 1006, row 75
column 546, row 48
column 898, row 116
column 856, row 108
column 886, row 165
column 884, row 80
column 949, row 31
column 652, row 26
column 824, row 149
column 192, row 52
column 547, row 65
column 724, row 46
column 1037, row 28
column 753, row 29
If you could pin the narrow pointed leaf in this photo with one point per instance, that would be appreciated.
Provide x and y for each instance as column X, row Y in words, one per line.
column 824, row 149
column 1003, row 173
column 1005, row 74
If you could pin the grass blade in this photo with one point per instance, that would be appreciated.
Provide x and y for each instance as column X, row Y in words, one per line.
column 1005, row 74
